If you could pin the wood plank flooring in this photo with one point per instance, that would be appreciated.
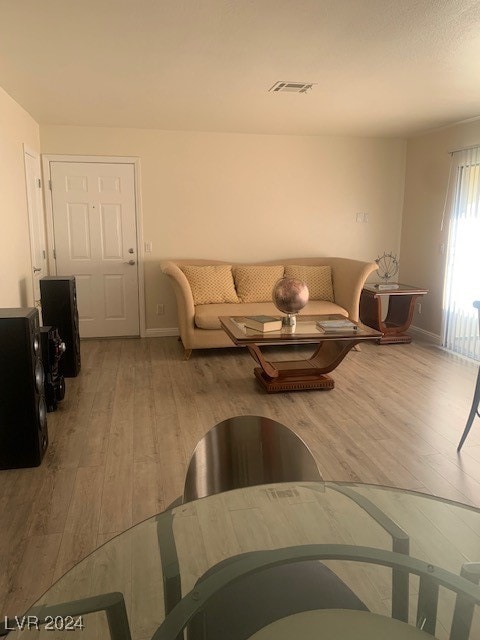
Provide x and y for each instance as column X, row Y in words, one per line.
column 120, row 441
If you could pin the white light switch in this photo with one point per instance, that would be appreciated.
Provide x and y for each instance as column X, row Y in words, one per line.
column 148, row 247
column 361, row 217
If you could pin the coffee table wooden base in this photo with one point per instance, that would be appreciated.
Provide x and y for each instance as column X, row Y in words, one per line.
column 278, row 385
column 402, row 338
column 302, row 374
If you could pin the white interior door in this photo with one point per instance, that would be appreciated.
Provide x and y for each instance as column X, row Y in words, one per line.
column 94, row 222
column 36, row 221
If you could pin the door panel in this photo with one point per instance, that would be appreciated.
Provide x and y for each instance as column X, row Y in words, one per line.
column 95, row 240
column 78, row 229
column 114, row 288
column 111, row 216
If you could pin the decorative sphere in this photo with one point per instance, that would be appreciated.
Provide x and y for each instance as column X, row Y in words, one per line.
column 290, row 295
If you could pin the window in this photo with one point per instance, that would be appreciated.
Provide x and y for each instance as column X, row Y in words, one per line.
column 462, row 281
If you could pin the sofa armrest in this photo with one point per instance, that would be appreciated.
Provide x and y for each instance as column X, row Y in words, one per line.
column 185, row 306
column 349, row 276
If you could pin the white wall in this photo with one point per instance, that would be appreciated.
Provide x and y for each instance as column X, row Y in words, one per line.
column 246, row 197
column 422, row 263
column 16, row 128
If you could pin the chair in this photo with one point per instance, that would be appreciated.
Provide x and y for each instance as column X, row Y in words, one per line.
column 247, row 451
column 474, row 411
column 242, row 451
column 192, row 611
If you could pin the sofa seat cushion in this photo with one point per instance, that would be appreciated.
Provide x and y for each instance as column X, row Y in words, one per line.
column 206, row 315
column 255, row 283
column 318, row 279
column 211, row 283
column 323, row 308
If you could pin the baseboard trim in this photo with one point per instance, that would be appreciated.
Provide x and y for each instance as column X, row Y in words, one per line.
column 162, row 333
column 428, row 336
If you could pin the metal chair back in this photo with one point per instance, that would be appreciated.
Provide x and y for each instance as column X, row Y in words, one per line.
column 245, row 451
column 474, row 410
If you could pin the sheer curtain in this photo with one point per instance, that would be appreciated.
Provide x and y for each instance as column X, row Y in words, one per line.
column 462, row 281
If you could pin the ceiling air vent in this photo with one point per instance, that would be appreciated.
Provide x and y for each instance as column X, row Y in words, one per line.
column 292, row 87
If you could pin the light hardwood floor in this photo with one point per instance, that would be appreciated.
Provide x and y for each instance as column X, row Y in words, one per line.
column 120, row 440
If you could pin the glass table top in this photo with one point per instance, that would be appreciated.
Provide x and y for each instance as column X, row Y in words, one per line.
column 305, row 330
column 344, row 522
column 393, row 287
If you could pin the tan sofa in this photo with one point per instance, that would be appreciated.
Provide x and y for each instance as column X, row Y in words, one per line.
column 199, row 326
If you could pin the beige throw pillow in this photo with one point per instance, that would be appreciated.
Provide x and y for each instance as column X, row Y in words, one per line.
column 255, row 283
column 317, row 278
column 211, row 284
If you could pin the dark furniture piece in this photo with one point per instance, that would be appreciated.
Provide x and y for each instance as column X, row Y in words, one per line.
column 297, row 375
column 401, row 305
column 59, row 308
column 52, row 350
column 474, row 410
column 23, row 412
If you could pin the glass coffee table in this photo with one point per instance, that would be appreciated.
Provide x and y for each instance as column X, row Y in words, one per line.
column 298, row 375
column 411, row 560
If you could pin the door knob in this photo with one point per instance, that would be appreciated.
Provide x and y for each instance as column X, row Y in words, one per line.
column 130, row 262
column 131, row 250
column 36, row 269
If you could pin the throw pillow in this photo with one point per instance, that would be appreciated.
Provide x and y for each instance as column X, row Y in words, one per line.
column 317, row 278
column 211, row 284
column 255, row 283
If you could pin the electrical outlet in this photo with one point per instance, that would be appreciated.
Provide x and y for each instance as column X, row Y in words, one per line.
column 361, row 217
column 160, row 309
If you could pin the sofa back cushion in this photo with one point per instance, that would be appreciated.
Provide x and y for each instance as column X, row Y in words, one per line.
column 317, row 278
column 211, row 284
column 255, row 282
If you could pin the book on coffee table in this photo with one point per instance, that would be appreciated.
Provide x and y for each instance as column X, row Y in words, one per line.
column 337, row 326
column 263, row 323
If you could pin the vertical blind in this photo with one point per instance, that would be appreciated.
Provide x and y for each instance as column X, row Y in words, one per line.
column 462, row 281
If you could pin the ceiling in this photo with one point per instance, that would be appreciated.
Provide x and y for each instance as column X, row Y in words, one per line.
column 380, row 67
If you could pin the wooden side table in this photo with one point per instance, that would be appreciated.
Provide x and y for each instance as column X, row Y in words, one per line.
column 401, row 304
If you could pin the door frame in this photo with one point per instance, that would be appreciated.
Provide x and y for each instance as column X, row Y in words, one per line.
column 52, row 265
column 27, row 150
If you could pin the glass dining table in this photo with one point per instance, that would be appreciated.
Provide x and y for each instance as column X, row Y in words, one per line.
column 411, row 560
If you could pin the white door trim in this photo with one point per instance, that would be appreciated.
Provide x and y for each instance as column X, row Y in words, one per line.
column 27, row 150
column 46, row 160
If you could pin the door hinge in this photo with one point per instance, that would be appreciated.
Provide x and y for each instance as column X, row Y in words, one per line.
column 50, row 185
column 39, row 183
column 54, row 254
column 44, row 254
